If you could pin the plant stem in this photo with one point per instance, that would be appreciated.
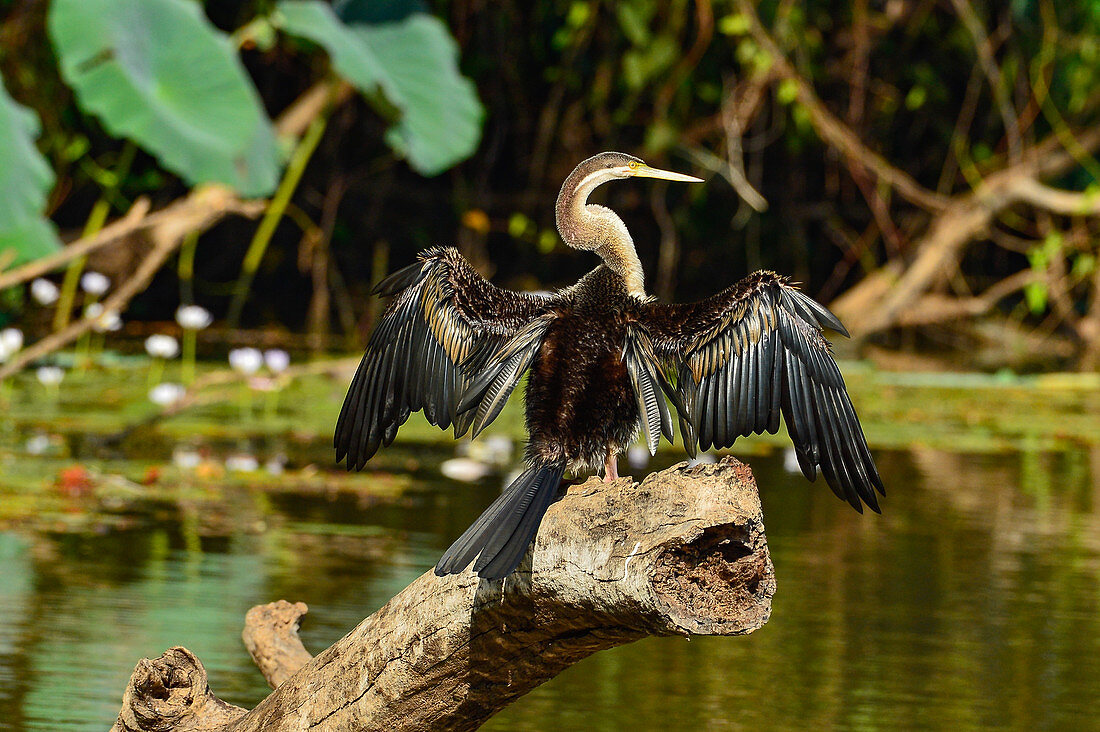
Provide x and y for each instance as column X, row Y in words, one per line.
column 186, row 267
column 96, row 219
column 187, row 366
column 294, row 170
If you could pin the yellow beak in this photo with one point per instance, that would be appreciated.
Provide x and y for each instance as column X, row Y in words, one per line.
column 644, row 171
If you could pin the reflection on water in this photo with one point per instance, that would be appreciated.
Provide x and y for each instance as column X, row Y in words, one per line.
column 974, row 602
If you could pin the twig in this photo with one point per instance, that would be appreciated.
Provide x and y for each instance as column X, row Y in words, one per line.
column 831, row 130
column 1055, row 200
column 167, row 228
column 134, row 220
column 984, row 48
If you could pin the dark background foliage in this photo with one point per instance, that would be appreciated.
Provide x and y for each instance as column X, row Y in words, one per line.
column 945, row 91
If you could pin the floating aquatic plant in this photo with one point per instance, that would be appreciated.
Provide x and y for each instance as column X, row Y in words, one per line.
column 161, row 348
column 44, row 292
column 277, row 361
column 167, row 394
column 94, row 284
column 192, row 318
column 246, row 361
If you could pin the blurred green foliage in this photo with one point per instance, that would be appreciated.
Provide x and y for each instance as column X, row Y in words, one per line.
column 159, row 74
column 686, row 84
column 25, row 180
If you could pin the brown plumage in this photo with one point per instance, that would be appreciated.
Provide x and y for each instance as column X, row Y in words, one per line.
column 602, row 358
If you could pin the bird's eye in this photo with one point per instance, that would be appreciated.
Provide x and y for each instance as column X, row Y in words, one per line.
column 633, row 164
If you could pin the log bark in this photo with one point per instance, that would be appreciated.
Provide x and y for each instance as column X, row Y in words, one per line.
column 681, row 553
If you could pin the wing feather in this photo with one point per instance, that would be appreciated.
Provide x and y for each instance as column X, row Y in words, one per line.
column 754, row 354
column 443, row 325
column 650, row 387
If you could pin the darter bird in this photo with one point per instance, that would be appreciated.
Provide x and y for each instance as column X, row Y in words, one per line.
column 602, row 357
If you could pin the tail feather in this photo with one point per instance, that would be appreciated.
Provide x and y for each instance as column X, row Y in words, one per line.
column 503, row 532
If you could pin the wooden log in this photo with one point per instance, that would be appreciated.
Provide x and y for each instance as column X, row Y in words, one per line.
column 681, row 553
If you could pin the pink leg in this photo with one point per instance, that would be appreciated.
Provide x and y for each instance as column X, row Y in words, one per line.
column 611, row 467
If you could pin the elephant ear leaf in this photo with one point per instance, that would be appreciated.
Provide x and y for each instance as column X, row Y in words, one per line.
column 407, row 67
column 157, row 72
column 25, row 181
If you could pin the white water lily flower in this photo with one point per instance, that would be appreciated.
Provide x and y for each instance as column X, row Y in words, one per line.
column 44, row 292
column 38, row 444
column 159, row 345
column 790, row 461
column 165, row 394
column 103, row 320
column 94, row 283
column 246, row 360
column 242, row 463
column 277, row 360
column 186, row 458
column 11, row 339
column 108, row 321
column 276, row 465
column 50, row 375
column 193, row 317
column 464, row 469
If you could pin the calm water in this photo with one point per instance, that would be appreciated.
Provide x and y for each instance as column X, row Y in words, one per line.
column 974, row 602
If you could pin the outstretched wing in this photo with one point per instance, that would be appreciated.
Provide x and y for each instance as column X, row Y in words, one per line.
column 444, row 325
column 756, row 351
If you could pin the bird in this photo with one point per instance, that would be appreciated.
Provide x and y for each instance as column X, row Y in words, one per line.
column 606, row 362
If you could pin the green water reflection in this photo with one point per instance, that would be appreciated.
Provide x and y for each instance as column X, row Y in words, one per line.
column 974, row 602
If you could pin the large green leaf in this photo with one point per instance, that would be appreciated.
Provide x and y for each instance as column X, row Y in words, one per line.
column 414, row 62
column 377, row 11
column 25, row 181
column 157, row 72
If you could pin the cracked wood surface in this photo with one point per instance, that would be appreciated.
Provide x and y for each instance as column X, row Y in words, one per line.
column 681, row 553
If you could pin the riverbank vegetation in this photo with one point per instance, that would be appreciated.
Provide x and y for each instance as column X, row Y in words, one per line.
column 926, row 166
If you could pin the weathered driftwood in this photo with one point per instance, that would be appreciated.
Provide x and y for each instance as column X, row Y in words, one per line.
column 271, row 637
column 682, row 553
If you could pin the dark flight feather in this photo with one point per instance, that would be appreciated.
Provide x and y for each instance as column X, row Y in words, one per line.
column 649, row 387
column 753, row 353
column 443, row 324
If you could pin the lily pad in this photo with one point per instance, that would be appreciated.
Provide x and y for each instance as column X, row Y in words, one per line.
column 25, row 181
column 414, row 63
column 157, row 72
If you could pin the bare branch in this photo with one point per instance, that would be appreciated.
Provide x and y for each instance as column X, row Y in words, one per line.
column 984, row 48
column 271, row 637
column 134, row 220
column 1056, row 200
column 831, row 130
column 869, row 307
column 201, row 209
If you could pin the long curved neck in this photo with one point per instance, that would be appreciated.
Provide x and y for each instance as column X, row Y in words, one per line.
column 597, row 228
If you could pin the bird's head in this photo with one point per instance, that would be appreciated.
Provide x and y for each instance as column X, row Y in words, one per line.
column 591, row 227
column 615, row 166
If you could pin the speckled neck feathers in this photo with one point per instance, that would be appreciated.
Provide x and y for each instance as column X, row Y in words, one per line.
column 596, row 228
